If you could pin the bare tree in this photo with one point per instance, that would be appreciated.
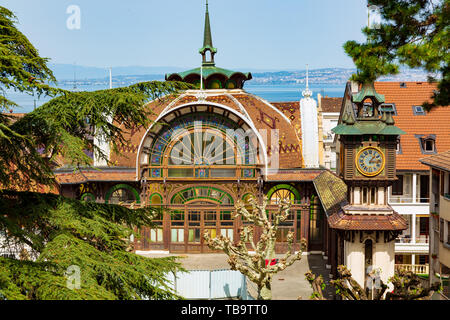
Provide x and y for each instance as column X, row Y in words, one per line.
column 257, row 265
column 407, row 286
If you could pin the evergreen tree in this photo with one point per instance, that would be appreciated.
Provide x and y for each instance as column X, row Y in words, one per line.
column 413, row 33
column 57, row 236
column 54, row 234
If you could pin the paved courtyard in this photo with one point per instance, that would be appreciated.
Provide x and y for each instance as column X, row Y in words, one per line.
column 289, row 284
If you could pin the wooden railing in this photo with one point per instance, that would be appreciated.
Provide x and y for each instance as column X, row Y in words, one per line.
column 416, row 268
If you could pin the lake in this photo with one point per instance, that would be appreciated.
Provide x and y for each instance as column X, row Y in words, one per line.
column 272, row 93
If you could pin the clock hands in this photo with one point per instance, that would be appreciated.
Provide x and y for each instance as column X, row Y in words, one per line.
column 371, row 160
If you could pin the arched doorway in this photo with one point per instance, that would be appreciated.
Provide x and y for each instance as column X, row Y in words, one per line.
column 286, row 192
column 197, row 210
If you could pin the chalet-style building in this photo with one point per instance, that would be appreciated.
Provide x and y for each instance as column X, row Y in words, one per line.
column 365, row 226
column 426, row 134
column 439, row 165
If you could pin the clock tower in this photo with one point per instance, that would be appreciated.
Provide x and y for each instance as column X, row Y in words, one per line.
column 366, row 225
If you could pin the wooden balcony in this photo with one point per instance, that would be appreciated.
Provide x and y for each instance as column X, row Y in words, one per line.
column 416, row 268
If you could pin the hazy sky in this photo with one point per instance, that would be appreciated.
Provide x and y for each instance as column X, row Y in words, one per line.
column 261, row 34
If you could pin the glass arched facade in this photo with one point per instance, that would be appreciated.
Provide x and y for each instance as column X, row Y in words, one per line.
column 203, row 145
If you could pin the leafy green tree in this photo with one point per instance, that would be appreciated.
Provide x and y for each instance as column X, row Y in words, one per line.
column 53, row 233
column 413, row 33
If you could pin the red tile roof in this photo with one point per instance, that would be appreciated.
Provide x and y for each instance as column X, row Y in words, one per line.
column 374, row 222
column 293, row 175
column 331, row 104
column 95, row 175
column 436, row 122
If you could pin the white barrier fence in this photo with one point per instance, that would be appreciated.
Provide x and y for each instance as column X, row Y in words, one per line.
column 210, row 284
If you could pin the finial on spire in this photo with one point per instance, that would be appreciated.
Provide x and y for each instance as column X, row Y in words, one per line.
column 307, row 93
column 207, row 41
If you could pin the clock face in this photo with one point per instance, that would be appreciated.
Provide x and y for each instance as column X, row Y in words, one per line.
column 370, row 161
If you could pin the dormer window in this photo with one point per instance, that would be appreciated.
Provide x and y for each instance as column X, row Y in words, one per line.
column 388, row 108
column 418, row 111
column 428, row 145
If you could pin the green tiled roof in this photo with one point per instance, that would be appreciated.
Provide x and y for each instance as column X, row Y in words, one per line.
column 367, row 127
column 368, row 90
column 208, row 71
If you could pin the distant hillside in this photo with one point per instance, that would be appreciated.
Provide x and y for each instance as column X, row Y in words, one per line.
column 70, row 71
column 122, row 76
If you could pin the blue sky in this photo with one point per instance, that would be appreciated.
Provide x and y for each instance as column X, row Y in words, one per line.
column 259, row 34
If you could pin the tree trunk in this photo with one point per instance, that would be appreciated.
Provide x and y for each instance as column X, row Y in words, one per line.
column 265, row 291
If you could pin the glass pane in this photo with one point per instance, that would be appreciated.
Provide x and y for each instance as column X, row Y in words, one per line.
column 122, row 195
column 223, row 173
column 230, row 234
column 202, row 192
column 177, row 200
column 153, row 235
column 226, row 200
column 194, row 216
column 174, row 234
column 160, row 235
column 225, row 215
column 212, row 233
column 177, row 235
column 194, row 235
column 227, row 233
column 215, row 194
column 181, row 173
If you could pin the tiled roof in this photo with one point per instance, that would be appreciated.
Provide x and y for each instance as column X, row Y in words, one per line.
column 390, row 222
column 434, row 122
column 331, row 104
column 440, row 161
column 293, row 175
column 95, row 175
column 332, row 191
column 15, row 116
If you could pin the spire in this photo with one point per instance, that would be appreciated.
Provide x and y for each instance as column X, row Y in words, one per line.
column 207, row 37
column 207, row 41
column 307, row 93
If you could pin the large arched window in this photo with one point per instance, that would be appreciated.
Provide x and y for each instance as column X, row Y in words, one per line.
column 202, row 142
column 122, row 194
column 283, row 192
column 202, row 193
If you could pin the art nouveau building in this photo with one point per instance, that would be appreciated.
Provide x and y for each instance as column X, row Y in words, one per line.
column 210, row 148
